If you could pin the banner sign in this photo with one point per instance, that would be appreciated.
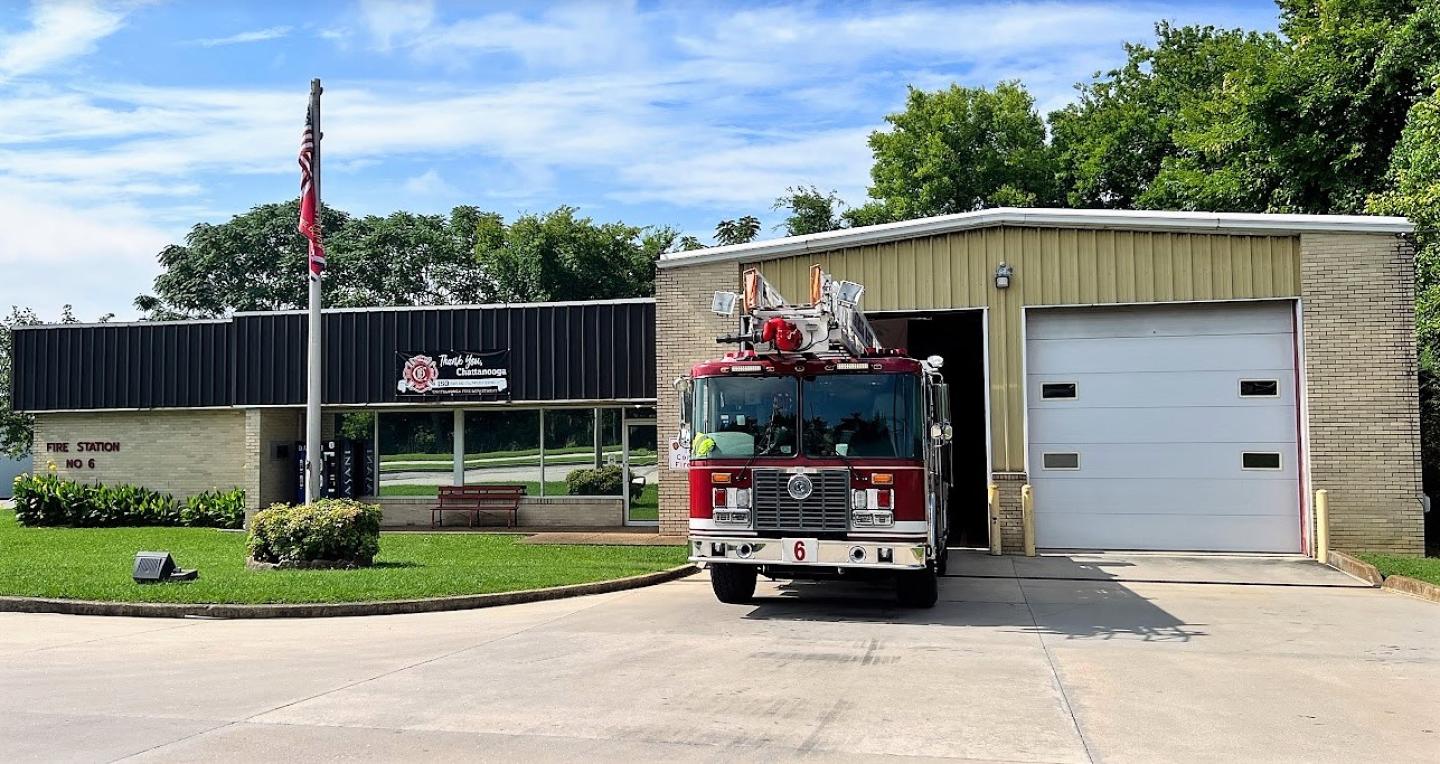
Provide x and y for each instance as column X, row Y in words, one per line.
column 455, row 372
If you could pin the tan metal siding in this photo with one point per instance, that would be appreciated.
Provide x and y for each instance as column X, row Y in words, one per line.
column 1053, row 266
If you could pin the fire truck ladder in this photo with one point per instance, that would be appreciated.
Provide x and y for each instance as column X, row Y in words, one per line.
column 831, row 324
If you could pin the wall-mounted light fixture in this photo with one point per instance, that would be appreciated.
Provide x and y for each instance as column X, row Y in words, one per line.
column 1003, row 272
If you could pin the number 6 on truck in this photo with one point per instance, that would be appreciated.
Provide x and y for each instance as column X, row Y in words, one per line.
column 798, row 550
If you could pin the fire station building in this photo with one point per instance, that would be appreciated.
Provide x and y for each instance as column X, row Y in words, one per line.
column 1161, row 380
column 556, row 397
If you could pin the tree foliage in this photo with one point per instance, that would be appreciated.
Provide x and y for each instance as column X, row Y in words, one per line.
column 257, row 261
column 961, row 149
column 1135, row 135
column 810, row 211
column 561, row 256
column 738, row 231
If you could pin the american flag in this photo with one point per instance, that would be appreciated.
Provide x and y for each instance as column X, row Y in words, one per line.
column 308, row 211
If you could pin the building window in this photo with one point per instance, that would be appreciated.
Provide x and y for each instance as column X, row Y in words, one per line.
column 574, row 442
column 502, row 446
column 1259, row 388
column 417, row 452
column 1068, row 460
column 1058, row 390
column 1260, row 460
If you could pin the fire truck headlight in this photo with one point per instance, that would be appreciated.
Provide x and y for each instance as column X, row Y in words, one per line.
column 742, row 498
column 857, row 498
column 872, row 518
column 733, row 517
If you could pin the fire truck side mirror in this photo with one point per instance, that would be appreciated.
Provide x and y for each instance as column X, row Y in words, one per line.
column 942, row 432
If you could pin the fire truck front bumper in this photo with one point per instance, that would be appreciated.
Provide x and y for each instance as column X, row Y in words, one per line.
column 809, row 552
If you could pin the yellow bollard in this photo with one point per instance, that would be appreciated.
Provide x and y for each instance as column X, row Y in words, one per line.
column 993, row 507
column 1027, row 518
column 1322, row 526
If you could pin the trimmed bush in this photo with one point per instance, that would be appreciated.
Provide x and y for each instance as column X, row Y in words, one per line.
column 48, row 500
column 215, row 509
column 597, row 481
column 330, row 530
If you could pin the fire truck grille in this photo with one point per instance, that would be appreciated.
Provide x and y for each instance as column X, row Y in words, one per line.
column 826, row 509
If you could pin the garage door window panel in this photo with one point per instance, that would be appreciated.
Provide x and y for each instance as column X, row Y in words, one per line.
column 1059, row 391
column 1060, row 460
column 1268, row 461
column 1259, row 388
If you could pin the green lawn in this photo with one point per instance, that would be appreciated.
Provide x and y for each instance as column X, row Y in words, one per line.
column 1422, row 568
column 647, row 505
column 94, row 563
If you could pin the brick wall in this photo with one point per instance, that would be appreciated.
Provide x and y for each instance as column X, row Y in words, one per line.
column 1012, row 515
column 1357, row 293
column 179, row 452
column 270, row 479
column 685, row 332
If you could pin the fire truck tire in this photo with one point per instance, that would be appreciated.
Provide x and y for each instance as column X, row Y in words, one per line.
column 943, row 564
column 733, row 584
column 918, row 589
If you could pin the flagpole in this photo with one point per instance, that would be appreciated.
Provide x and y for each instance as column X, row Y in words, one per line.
column 313, row 451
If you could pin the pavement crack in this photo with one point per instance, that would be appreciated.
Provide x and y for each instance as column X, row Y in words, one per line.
column 1055, row 675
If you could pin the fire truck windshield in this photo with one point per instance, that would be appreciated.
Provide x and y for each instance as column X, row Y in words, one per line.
column 745, row 416
column 863, row 415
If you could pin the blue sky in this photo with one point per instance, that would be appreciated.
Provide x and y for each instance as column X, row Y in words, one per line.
column 124, row 123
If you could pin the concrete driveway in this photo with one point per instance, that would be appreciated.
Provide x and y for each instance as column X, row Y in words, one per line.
column 1062, row 666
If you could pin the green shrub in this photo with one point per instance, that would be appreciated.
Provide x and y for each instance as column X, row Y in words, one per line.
column 338, row 530
column 215, row 509
column 48, row 499
column 597, row 481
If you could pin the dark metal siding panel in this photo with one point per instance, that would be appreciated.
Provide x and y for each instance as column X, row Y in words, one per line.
column 132, row 366
column 557, row 352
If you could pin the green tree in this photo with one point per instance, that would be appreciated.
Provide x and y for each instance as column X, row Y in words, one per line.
column 1332, row 108
column 810, row 211
column 256, row 261
column 561, row 256
column 406, row 259
column 1413, row 190
column 1115, row 141
column 738, row 231
column 961, row 149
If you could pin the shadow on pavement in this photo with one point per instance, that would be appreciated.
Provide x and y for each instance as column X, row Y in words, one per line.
column 1080, row 600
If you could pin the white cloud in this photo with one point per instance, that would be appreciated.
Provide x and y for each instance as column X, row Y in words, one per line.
column 428, row 183
column 96, row 257
column 258, row 35
column 58, row 31
column 572, row 35
column 389, row 20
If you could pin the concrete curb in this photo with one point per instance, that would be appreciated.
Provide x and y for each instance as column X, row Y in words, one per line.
column 334, row 609
column 1355, row 567
column 1413, row 587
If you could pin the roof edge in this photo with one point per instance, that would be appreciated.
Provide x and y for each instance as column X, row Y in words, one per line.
column 373, row 309
column 1151, row 220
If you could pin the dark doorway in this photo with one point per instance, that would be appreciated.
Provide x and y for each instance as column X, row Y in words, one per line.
column 958, row 337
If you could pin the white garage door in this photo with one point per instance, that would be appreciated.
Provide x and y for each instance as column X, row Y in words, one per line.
column 1164, row 427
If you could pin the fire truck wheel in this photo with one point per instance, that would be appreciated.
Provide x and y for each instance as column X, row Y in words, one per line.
column 918, row 589
column 733, row 584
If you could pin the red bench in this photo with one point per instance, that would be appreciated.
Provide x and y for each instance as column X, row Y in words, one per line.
column 475, row 499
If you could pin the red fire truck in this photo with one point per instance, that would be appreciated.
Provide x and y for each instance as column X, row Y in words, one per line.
column 814, row 452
